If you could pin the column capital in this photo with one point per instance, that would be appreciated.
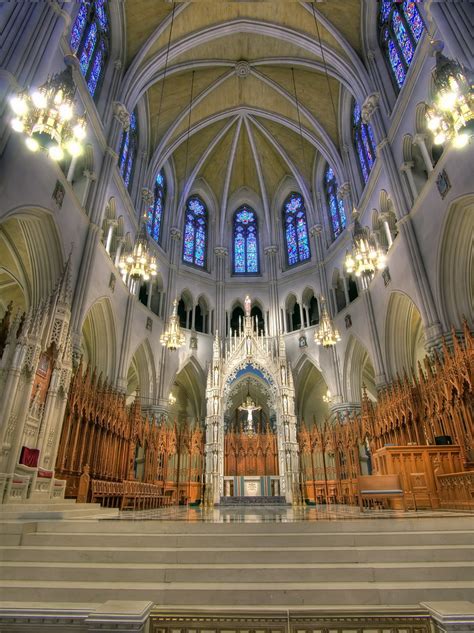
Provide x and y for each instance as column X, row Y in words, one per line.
column 90, row 175
column 371, row 54
column 344, row 190
column 369, row 106
column 122, row 115
column 407, row 165
column 271, row 250
column 118, row 64
column 221, row 251
column 316, row 230
column 419, row 138
column 175, row 233
column 148, row 196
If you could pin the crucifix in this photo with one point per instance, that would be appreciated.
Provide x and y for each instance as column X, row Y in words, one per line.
column 249, row 406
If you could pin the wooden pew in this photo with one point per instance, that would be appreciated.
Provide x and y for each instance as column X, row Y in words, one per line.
column 379, row 487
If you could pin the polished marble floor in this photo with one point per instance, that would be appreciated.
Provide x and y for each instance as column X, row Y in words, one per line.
column 281, row 514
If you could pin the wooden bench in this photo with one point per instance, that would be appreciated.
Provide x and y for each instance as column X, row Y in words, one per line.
column 379, row 487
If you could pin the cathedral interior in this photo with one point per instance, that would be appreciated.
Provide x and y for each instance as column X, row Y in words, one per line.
column 236, row 316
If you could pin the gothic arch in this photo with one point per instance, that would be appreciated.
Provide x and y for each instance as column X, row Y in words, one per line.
column 404, row 335
column 141, row 375
column 310, row 387
column 456, row 264
column 190, row 381
column 358, row 372
column 31, row 256
column 99, row 339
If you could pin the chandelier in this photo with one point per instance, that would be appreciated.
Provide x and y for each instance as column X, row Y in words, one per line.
column 327, row 397
column 366, row 256
column 46, row 117
column 172, row 337
column 139, row 264
column 326, row 334
column 448, row 118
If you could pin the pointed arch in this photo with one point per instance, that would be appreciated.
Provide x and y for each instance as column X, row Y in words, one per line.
column 404, row 335
column 310, row 387
column 141, row 375
column 99, row 338
column 358, row 372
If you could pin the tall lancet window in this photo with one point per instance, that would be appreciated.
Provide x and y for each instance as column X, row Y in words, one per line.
column 364, row 142
column 128, row 151
column 246, row 260
column 296, row 230
column 400, row 27
column 90, row 41
column 195, row 233
column 155, row 211
column 337, row 214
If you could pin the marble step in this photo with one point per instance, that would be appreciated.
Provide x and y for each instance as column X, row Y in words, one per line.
column 240, row 594
column 73, row 554
column 242, row 541
column 370, row 525
column 239, row 573
column 64, row 510
column 252, row 501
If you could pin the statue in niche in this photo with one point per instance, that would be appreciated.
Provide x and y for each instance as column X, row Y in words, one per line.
column 215, row 405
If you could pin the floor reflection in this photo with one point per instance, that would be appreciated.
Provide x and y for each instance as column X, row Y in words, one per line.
column 272, row 514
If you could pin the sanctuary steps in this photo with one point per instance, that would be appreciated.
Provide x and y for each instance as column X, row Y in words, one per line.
column 182, row 564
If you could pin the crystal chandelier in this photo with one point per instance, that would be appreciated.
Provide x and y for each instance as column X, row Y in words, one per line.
column 172, row 337
column 327, row 398
column 46, row 117
column 326, row 334
column 366, row 256
column 139, row 264
column 449, row 117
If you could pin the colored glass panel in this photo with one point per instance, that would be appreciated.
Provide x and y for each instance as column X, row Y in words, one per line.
column 252, row 252
column 78, row 28
column 403, row 38
column 367, row 147
column 88, row 49
column 385, row 8
column 96, row 69
column 337, row 214
column 195, row 233
column 101, row 14
column 124, row 154
column 396, row 64
column 245, row 242
column 414, row 19
column 296, row 230
column 155, row 211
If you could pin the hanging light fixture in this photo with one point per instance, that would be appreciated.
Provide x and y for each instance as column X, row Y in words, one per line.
column 140, row 263
column 326, row 334
column 451, row 116
column 173, row 337
column 327, row 397
column 46, row 117
column 366, row 256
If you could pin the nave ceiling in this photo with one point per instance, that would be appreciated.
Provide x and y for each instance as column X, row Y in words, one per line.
column 245, row 128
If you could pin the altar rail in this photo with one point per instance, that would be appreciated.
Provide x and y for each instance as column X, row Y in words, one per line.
column 456, row 490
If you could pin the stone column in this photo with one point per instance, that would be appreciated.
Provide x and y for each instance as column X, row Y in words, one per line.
column 420, row 140
column 379, row 366
column 97, row 205
column 221, row 253
column 275, row 327
column 316, row 232
column 371, row 113
column 406, row 168
column 350, row 163
column 125, row 347
column 90, row 178
column 454, row 23
column 344, row 193
column 114, row 85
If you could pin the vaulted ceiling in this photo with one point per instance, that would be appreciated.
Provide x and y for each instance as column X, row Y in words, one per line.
column 249, row 64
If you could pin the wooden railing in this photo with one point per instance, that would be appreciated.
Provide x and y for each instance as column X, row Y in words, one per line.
column 456, row 490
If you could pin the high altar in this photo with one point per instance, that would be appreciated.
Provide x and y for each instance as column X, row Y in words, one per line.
column 256, row 457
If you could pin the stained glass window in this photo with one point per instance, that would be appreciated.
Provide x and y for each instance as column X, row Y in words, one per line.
column 364, row 142
column 401, row 28
column 195, row 232
column 246, row 260
column 155, row 211
column 128, row 151
column 90, row 41
column 296, row 230
column 337, row 213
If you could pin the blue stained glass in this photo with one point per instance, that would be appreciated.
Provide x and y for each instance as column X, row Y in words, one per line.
column 160, row 179
column 414, row 19
column 396, row 63
column 356, row 113
column 78, row 28
column 101, row 14
column 123, row 157
column 360, row 153
column 368, row 151
column 385, row 8
column 296, row 230
column 133, row 121
column 195, row 233
column 128, row 172
column 342, row 213
column 155, row 211
column 96, row 68
column 245, row 241
column 371, row 136
column 88, row 49
column 337, row 214
column 403, row 38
